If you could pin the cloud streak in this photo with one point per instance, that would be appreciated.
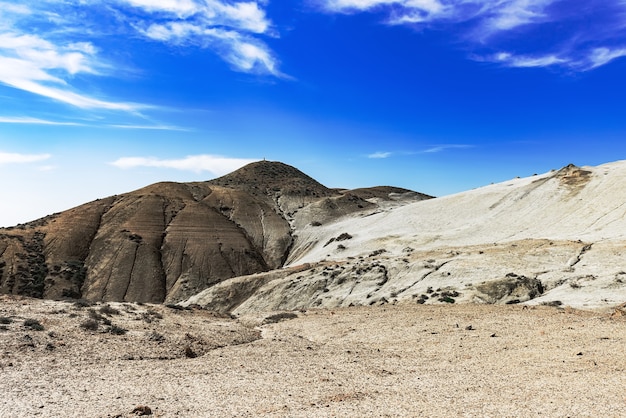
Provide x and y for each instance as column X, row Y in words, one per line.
column 492, row 29
column 430, row 150
column 244, row 53
column 35, row 121
column 440, row 148
column 45, row 46
column 40, row 66
column 16, row 158
column 230, row 29
column 150, row 127
column 214, row 164
column 380, row 155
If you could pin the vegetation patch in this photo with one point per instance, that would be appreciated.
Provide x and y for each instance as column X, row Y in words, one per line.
column 283, row 316
column 116, row 330
column 33, row 324
column 82, row 303
column 512, row 287
column 108, row 310
column 89, row 325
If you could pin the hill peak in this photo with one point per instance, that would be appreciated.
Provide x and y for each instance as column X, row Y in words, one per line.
column 273, row 176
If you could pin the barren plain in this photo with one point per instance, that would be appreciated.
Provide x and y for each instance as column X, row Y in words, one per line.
column 394, row 360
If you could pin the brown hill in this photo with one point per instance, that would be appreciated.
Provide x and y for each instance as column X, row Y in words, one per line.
column 167, row 241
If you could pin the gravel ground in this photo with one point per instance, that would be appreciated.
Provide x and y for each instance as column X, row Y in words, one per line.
column 403, row 360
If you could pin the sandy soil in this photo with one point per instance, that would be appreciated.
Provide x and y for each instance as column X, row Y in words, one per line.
column 402, row 360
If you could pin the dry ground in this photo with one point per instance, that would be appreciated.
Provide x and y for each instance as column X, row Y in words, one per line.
column 403, row 360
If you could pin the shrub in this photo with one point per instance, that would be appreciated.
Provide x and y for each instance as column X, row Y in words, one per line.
column 272, row 319
column 5, row 320
column 97, row 317
column 115, row 330
column 155, row 314
column 155, row 336
column 33, row 324
column 82, row 303
column 89, row 325
column 108, row 310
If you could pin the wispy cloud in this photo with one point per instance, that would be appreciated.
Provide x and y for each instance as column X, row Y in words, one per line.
column 31, row 63
column 16, row 158
column 35, row 121
column 230, row 29
column 527, row 61
column 492, row 29
column 243, row 52
column 246, row 16
column 214, row 164
column 600, row 56
column 380, row 155
column 430, row 150
column 150, row 127
column 491, row 15
column 45, row 46
column 439, row 148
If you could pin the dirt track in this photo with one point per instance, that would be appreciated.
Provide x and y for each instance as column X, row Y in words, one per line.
column 404, row 360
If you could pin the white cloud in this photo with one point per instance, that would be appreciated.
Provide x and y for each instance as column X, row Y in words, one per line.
column 242, row 52
column 380, row 155
column 6, row 7
column 34, row 121
column 150, row 127
column 15, row 158
column 602, row 56
column 246, row 16
column 36, row 65
column 180, row 8
column 511, row 60
column 45, row 45
column 492, row 14
column 588, row 61
column 511, row 14
column 213, row 164
column 583, row 41
column 440, row 148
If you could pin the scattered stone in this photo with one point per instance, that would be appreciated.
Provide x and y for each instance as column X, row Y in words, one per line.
column 142, row 410
column 189, row 353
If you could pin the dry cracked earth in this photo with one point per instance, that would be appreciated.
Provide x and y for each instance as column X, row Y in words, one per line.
column 74, row 359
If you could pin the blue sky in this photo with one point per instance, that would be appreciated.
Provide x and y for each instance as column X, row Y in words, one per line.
column 440, row 96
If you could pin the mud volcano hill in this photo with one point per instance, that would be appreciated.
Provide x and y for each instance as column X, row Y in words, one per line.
column 168, row 241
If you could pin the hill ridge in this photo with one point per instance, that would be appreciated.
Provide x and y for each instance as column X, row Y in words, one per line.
column 167, row 241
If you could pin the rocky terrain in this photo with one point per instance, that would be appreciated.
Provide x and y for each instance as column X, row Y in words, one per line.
column 75, row 359
column 556, row 239
column 264, row 293
column 268, row 237
column 168, row 241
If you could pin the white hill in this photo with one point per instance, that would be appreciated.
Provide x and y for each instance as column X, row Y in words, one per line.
column 557, row 238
